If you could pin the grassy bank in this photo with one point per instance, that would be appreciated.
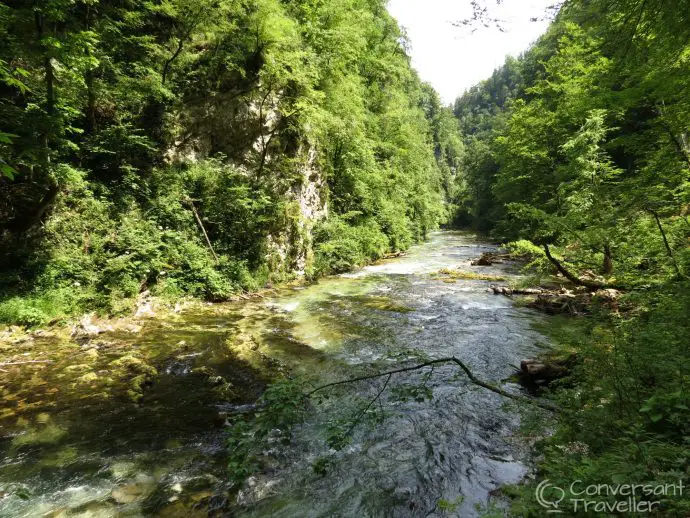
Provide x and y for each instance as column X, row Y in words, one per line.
column 626, row 417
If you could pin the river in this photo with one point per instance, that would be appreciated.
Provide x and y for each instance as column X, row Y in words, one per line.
column 91, row 434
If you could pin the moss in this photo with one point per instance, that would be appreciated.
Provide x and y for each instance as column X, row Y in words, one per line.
column 451, row 275
column 87, row 378
column 91, row 354
column 61, row 458
column 132, row 364
column 80, row 367
column 246, row 347
column 137, row 371
column 47, row 434
column 382, row 303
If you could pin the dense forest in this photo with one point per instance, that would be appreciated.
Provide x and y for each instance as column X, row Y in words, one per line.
column 207, row 148
column 578, row 152
column 204, row 148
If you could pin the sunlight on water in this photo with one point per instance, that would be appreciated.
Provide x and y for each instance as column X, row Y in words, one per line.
column 130, row 424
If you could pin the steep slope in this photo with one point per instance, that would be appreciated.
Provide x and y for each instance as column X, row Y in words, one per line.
column 207, row 146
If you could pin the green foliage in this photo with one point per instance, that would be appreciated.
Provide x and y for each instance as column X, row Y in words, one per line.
column 627, row 410
column 280, row 408
column 322, row 464
column 340, row 246
column 190, row 147
column 447, row 506
column 579, row 145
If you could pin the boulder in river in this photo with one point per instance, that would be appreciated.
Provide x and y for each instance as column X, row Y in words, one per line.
column 87, row 328
column 130, row 492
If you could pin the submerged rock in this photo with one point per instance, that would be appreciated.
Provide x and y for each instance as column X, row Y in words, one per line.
column 136, row 371
column 133, row 491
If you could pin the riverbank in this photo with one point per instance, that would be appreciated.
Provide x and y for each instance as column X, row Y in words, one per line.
column 624, row 416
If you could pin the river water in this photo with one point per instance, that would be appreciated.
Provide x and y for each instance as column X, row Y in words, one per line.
column 85, row 436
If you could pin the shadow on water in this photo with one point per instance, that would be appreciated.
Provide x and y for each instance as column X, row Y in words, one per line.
column 131, row 424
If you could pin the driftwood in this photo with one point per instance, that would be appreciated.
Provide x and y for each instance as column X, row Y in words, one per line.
column 484, row 260
column 505, row 290
column 452, row 359
column 203, row 229
column 561, row 301
column 539, row 370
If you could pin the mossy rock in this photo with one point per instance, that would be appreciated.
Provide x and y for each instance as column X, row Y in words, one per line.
column 60, row 458
column 91, row 354
column 88, row 378
column 133, row 365
column 382, row 303
column 79, row 367
column 45, row 434
column 137, row 371
column 451, row 275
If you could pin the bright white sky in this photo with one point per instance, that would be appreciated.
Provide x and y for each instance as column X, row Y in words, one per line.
column 452, row 58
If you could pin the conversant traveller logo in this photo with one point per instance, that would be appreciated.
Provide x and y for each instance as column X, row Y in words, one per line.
column 604, row 498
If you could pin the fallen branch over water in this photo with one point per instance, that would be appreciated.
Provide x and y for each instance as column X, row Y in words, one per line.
column 591, row 285
column 451, row 359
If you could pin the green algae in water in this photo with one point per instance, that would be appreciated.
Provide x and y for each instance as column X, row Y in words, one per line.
column 43, row 434
column 382, row 303
column 451, row 275
column 312, row 331
column 60, row 458
column 137, row 371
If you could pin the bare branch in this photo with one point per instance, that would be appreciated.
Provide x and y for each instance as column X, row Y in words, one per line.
column 452, row 359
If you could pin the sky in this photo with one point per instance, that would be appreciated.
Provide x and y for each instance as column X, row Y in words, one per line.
column 453, row 58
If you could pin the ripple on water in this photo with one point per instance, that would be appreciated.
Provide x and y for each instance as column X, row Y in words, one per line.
column 98, row 453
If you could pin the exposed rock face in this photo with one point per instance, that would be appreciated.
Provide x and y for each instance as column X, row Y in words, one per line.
column 87, row 328
column 291, row 249
column 312, row 208
column 250, row 131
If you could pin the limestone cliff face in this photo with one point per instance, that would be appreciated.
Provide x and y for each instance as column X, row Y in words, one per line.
column 253, row 135
column 293, row 246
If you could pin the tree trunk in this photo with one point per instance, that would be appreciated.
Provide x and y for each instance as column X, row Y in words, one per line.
column 47, row 65
column 89, row 79
column 572, row 278
column 666, row 244
column 21, row 224
column 608, row 261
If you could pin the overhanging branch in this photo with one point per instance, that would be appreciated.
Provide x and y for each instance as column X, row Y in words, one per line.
column 452, row 359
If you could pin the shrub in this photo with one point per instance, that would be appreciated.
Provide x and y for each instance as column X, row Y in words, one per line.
column 339, row 247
